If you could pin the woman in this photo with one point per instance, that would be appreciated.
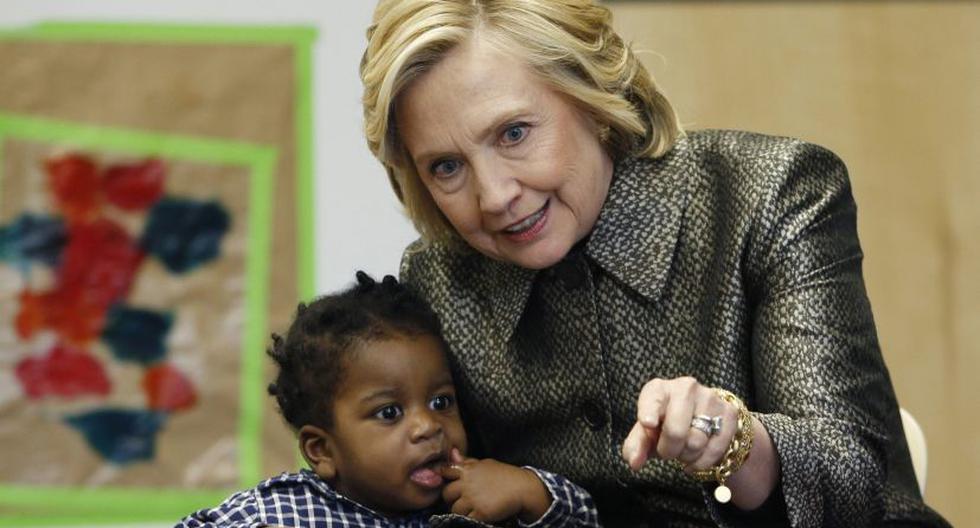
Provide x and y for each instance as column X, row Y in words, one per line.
column 601, row 275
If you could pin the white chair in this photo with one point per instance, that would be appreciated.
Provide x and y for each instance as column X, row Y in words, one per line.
column 917, row 448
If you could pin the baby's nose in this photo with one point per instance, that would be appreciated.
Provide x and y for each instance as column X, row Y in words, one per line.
column 425, row 426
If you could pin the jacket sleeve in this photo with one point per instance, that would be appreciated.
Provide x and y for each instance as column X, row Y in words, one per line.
column 571, row 506
column 821, row 387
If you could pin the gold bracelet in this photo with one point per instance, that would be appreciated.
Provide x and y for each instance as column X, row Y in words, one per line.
column 735, row 455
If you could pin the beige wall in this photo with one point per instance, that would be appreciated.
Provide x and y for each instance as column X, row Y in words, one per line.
column 894, row 89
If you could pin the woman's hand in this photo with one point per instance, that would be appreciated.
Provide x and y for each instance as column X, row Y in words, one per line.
column 491, row 491
column 665, row 410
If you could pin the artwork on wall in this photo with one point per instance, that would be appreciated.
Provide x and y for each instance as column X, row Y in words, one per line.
column 139, row 210
column 132, row 288
column 77, row 264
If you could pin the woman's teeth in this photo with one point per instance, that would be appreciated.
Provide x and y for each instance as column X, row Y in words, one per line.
column 526, row 224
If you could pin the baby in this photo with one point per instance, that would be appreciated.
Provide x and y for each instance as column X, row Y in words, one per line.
column 364, row 382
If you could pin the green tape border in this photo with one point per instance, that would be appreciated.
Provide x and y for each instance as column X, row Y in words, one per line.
column 301, row 38
column 131, row 504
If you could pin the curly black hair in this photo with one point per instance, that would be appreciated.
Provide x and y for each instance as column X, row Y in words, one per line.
column 313, row 355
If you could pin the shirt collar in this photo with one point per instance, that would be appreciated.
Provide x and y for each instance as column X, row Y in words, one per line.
column 634, row 237
column 309, row 478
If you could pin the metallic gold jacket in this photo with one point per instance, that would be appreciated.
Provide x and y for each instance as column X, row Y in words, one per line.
column 734, row 259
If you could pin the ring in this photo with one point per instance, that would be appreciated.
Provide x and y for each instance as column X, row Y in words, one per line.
column 709, row 425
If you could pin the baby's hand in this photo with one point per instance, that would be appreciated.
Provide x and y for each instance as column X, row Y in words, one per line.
column 491, row 491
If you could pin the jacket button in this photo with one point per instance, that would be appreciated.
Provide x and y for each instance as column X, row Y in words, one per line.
column 595, row 416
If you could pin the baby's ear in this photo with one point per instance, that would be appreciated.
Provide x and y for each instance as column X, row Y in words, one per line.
column 317, row 448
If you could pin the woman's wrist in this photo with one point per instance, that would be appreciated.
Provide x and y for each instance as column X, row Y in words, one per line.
column 760, row 474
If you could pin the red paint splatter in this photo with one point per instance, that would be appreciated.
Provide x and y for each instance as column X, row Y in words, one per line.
column 30, row 318
column 74, row 182
column 97, row 270
column 100, row 261
column 168, row 389
column 76, row 317
column 64, row 371
column 135, row 187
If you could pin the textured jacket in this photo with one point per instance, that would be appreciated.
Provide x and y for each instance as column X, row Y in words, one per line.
column 734, row 258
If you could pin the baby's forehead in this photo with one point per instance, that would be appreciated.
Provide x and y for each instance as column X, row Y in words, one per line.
column 401, row 361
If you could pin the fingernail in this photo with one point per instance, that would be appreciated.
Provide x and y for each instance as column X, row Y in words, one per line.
column 650, row 420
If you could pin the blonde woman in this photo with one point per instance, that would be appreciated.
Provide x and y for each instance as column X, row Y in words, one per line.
column 677, row 321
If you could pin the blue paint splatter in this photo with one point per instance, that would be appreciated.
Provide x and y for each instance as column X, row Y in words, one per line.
column 137, row 335
column 185, row 234
column 121, row 436
column 33, row 237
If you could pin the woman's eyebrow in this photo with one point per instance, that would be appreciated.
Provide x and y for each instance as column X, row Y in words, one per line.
column 516, row 112
column 503, row 118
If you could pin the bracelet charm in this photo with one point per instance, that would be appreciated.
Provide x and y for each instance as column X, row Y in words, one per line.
column 723, row 494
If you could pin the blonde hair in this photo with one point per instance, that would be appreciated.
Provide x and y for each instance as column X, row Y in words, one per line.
column 570, row 44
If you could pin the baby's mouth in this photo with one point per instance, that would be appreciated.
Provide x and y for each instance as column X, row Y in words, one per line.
column 427, row 474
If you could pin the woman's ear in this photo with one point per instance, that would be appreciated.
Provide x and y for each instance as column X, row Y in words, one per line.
column 318, row 450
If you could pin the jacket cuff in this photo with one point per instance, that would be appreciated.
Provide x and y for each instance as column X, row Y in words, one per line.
column 773, row 511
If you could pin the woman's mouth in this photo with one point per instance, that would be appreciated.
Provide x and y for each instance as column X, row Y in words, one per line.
column 529, row 227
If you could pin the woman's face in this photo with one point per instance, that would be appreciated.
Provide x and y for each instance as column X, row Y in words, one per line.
column 516, row 168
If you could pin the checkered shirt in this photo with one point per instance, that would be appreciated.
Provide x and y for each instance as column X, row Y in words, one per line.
column 304, row 500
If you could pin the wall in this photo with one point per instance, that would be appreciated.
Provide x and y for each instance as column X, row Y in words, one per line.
column 351, row 185
column 358, row 220
column 890, row 86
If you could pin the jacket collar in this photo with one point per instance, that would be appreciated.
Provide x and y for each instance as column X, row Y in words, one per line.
column 633, row 239
column 506, row 289
column 636, row 233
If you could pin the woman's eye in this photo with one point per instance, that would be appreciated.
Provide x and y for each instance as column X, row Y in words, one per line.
column 388, row 413
column 514, row 134
column 444, row 168
column 441, row 403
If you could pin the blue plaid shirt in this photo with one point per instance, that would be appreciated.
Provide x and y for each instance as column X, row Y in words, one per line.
column 304, row 500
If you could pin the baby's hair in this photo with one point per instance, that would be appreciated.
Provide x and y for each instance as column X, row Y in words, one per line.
column 313, row 356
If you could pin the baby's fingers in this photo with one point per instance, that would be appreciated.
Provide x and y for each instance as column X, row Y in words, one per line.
column 451, row 472
column 462, row 507
column 452, row 492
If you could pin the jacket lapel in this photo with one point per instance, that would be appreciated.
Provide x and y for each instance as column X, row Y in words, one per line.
column 506, row 290
column 636, row 234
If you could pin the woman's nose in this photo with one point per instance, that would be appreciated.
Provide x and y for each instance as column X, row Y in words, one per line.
column 497, row 187
column 425, row 426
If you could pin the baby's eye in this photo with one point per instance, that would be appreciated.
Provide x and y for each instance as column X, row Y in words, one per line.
column 389, row 413
column 442, row 402
column 514, row 134
column 444, row 168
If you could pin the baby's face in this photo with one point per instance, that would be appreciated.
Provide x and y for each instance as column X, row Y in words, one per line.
column 395, row 422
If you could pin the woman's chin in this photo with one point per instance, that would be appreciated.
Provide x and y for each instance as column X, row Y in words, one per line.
column 542, row 252
column 536, row 256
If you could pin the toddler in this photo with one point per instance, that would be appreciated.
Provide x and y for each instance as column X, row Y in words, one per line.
column 365, row 384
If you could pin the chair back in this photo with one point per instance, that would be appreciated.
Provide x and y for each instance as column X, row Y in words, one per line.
column 917, row 448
